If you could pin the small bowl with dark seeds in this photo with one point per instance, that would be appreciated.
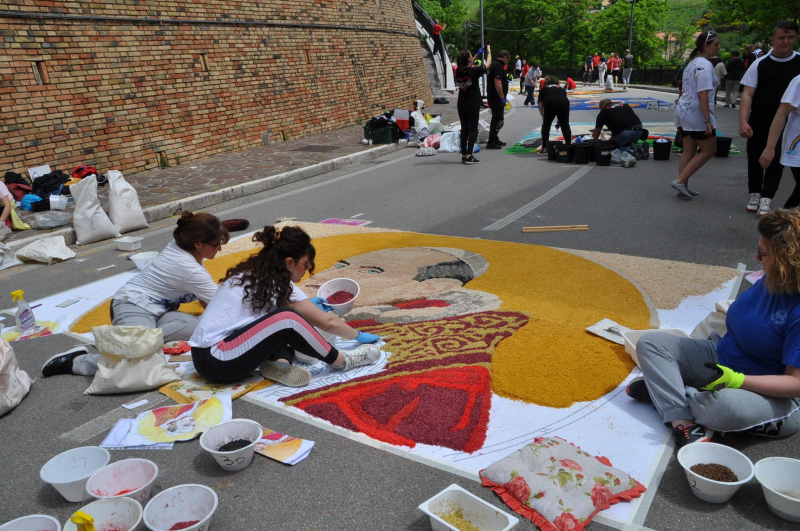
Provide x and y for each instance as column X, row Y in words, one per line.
column 714, row 471
column 232, row 443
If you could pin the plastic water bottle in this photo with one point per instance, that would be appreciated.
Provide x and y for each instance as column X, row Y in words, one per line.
column 26, row 322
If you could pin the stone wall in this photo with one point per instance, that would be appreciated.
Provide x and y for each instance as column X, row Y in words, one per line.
column 116, row 84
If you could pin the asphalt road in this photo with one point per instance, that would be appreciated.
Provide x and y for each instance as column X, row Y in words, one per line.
column 344, row 484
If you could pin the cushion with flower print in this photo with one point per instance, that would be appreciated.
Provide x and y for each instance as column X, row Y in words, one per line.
column 558, row 486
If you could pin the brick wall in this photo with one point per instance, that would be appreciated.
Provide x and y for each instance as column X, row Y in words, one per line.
column 226, row 76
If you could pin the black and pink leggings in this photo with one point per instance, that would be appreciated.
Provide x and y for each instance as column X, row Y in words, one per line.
column 276, row 335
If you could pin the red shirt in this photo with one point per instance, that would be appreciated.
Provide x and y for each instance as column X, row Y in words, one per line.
column 436, row 29
column 571, row 84
column 595, row 61
column 525, row 71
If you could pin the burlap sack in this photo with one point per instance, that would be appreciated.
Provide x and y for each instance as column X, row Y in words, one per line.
column 131, row 359
column 14, row 383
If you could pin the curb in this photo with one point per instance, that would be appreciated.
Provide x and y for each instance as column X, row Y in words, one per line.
column 195, row 202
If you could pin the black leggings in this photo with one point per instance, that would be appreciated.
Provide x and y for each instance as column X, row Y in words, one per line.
column 274, row 336
column 759, row 180
column 498, row 111
column 561, row 111
column 469, row 114
column 794, row 199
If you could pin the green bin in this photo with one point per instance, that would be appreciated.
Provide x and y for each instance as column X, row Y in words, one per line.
column 379, row 136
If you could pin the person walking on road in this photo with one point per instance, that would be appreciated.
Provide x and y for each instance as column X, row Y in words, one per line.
column 522, row 75
column 764, row 84
column 529, row 84
column 469, row 101
column 595, row 66
column 602, row 68
column 554, row 103
column 735, row 68
column 694, row 112
column 614, row 68
column 496, row 91
column 517, row 67
column 788, row 115
column 627, row 69
column 587, row 71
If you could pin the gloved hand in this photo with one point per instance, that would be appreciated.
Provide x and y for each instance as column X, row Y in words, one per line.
column 322, row 304
column 723, row 377
column 504, row 102
column 365, row 337
column 480, row 51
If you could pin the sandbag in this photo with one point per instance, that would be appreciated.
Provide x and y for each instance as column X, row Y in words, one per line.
column 130, row 360
column 14, row 382
column 124, row 208
column 8, row 258
column 91, row 222
column 46, row 250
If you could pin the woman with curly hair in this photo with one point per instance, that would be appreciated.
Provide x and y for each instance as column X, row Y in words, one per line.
column 749, row 379
column 259, row 318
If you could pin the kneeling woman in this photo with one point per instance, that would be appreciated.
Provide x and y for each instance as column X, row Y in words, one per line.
column 259, row 318
column 749, row 379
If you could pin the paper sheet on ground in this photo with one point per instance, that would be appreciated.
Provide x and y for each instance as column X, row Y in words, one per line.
column 193, row 387
column 115, row 440
column 283, row 448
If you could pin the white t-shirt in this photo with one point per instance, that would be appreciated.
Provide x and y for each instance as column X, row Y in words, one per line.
column 698, row 76
column 602, row 67
column 518, row 65
column 790, row 155
column 228, row 312
column 173, row 278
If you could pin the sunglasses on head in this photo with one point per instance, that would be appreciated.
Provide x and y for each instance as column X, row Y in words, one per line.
column 708, row 36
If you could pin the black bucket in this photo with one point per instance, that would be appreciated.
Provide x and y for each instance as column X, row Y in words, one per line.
column 565, row 153
column 723, row 146
column 603, row 153
column 582, row 152
column 661, row 150
column 592, row 143
column 551, row 149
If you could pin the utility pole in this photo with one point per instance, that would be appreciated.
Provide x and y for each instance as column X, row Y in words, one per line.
column 630, row 28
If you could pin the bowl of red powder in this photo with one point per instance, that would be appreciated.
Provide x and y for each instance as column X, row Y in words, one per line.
column 188, row 507
column 130, row 478
column 341, row 294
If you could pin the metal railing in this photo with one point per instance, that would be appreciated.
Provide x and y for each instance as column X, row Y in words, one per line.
column 660, row 75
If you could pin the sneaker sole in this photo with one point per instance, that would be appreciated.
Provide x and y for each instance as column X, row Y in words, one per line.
column 288, row 376
column 751, row 210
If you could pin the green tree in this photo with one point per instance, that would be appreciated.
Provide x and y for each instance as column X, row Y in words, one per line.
column 454, row 14
column 610, row 29
column 759, row 15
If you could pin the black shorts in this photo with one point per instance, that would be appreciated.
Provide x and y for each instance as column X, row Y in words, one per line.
column 698, row 135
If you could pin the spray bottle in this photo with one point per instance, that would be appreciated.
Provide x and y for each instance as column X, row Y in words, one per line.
column 26, row 322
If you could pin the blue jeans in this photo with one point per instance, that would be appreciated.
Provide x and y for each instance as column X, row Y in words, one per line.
column 529, row 97
column 627, row 137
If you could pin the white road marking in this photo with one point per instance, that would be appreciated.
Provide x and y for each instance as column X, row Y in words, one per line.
column 357, row 215
column 539, row 201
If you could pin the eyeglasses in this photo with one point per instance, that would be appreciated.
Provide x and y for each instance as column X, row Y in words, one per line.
column 306, row 265
column 217, row 245
column 760, row 255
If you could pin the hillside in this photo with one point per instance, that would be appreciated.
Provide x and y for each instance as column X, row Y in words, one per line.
column 685, row 12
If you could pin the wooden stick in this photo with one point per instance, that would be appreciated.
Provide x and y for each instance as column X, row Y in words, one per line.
column 555, row 228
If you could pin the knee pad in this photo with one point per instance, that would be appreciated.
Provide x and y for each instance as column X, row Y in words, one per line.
column 500, row 124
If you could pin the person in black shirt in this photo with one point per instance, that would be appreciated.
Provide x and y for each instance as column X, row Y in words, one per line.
column 469, row 101
column 764, row 84
column 496, row 90
column 626, row 128
column 735, row 68
column 553, row 102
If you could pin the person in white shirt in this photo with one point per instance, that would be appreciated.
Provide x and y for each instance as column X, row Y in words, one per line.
column 601, row 73
column 694, row 113
column 260, row 319
column 152, row 297
column 786, row 121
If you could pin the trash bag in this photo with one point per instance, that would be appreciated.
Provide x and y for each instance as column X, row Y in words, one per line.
column 450, row 142
column 124, row 208
column 51, row 220
column 616, row 156
column 46, row 250
column 426, row 151
column 28, row 201
column 14, row 382
column 483, row 130
column 436, row 128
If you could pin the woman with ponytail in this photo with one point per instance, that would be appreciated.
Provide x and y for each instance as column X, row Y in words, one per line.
column 694, row 112
column 152, row 297
column 469, row 99
column 748, row 380
column 259, row 318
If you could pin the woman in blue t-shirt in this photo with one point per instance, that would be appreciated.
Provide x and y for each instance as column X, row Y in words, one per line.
column 748, row 379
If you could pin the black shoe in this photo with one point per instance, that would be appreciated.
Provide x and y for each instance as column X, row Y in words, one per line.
column 62, row 363
column 733, row 106
column 501, row 142
column 692, row 433
column 637, row 390
column 492, row 145
column 470, row 159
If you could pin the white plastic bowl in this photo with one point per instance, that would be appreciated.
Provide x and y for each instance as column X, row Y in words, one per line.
column 33, row 522
column 119, row 513
column 133, row 475
column 705, row 453
column 184, row 503
column 229, row 431
column 129, row 243
column 632, row 337
column 340, row 284
column 69, row 471
column 484, row 516
column 780, row 474
column 142, row 260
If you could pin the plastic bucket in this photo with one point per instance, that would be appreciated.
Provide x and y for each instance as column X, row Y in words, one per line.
column 69, row 471
column 33, row 522
column 336, row 285
column 184, row 503
column 129, row 478
column 112, row 513
column 723, row 146
column 232, row 430
column 603, row 153
column 552, row 145
column 705, row 453
column 661, row 150
column 582, row 152
column 565, row 153
column 780, row 476
column 592, row 154
column 481, row 515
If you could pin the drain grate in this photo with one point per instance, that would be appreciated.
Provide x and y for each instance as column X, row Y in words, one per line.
column 316, row 149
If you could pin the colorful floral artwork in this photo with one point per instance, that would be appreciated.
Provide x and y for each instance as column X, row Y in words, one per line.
column 183, row 422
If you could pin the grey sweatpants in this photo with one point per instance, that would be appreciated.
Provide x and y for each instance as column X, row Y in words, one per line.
column 176, row 326
column 670, row 362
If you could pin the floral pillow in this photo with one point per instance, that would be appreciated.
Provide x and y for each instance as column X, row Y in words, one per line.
column 557, row 485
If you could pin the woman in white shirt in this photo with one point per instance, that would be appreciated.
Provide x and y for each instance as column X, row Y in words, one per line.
column 694, row 113
column 786, row 121
column 259, row 318
column 152, row 297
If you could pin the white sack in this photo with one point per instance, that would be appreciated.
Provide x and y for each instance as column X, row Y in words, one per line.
column 46, row 250
column 14, row 383
column 7, row 257
column 450, row 142
column 714, row 322
column 483, row 131
column 124, row 208
column 90, row 221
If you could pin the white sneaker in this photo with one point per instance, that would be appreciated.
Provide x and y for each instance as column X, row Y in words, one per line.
column 752, row 204
column 363, row 355
column 764, row 205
